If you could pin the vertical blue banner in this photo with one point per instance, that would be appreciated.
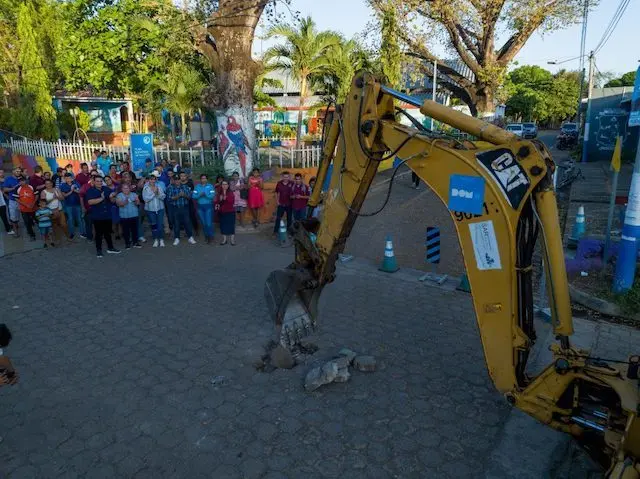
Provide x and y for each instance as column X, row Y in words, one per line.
column 141, row 149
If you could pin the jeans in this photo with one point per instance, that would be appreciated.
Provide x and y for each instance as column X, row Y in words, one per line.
column 29, row 220
column 300, row 214
column 74, row 218
column 181, row 218
column 88, row 226
column 279, row 214
column 415, row 179
column 5, row 219
column 205, row 213
column 103, row 230
column 130, row 230
column 168, row 207
column 156, row 220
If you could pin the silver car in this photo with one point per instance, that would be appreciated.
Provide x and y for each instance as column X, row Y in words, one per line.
column 516, row 129
column 530, row 130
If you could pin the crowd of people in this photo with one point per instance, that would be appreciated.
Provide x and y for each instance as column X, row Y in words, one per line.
column 106, row 201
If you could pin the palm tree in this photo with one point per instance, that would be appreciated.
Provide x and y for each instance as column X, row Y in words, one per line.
column 345, row 59
column 303, row 56
column 179, row 92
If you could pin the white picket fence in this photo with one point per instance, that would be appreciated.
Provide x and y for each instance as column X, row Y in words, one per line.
column 286, row 157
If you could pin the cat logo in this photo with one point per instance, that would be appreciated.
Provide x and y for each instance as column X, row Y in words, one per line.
column 511, row 177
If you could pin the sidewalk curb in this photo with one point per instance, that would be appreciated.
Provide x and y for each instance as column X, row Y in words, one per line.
column 598, row 304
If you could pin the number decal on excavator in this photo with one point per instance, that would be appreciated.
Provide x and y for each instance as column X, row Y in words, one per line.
column 460, row 216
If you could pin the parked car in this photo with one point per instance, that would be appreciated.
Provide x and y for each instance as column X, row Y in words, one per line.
column 569, row 129
column 530, row 130
column 516, row 129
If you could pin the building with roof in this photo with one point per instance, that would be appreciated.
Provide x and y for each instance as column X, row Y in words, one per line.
column 110, row 119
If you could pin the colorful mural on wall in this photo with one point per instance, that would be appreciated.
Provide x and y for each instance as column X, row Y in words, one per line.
column 236, row 140
column 28, row 162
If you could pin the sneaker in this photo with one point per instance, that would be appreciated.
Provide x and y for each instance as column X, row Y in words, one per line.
column 83, row 236
column 99, row 254
column 11, row 233
column 114, row 251
column 156, row 243
column 161, row 243
column 191, row 240
column 142, row 239
column 176, row 242
column 127, row 247
column 137, row 245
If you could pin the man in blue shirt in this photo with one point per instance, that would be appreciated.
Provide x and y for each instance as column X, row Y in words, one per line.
column 179, row 195
column 100, row 199
column 104, row 162
column 10, row 188
column 72, row 207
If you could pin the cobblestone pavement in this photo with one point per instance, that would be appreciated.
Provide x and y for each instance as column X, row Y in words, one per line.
column 117, row 367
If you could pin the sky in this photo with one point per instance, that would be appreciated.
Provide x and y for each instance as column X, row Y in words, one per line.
column 619, row 55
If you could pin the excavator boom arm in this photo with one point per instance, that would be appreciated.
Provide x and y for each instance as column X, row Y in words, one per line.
column 500, row 194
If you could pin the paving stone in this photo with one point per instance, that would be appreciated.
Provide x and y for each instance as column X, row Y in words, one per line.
column 364, row 363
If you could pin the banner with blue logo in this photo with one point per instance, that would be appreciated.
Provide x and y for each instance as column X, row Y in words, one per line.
column 634, row 116
column 141, row 149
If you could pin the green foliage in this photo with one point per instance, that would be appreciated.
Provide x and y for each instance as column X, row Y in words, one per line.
column 120, row 46
column 67, row 123
column 35, row 86
column 344, row 60
column 390, row 53
column 260, row 98
column 627, row 79
column 533, row 93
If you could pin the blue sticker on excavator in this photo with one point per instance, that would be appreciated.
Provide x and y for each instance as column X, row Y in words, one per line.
column 466, row 194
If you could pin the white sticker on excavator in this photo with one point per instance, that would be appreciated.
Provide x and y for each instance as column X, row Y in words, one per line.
column 485, row 245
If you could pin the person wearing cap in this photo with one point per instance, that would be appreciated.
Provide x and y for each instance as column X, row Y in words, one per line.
column 153, row 195
column 27, row 205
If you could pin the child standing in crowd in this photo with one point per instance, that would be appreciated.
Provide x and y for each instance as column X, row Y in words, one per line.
column 299, row 196
column 54, row 198
column 43, row 217
column 283, row 200
column 27, row 205
column 70, row 190
column 240, row 192
column 153, row 195
column 226, row 207
column 255, row 198
column 128, row 202
column 204, row 194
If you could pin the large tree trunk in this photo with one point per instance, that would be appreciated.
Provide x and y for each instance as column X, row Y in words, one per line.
column 183, row 123
column 484, row 101
column 227, row 46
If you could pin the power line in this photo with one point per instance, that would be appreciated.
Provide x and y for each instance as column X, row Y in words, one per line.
column 618, row 14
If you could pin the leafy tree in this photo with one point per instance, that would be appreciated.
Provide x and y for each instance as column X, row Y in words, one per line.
column 473, row 30
column 304, row 56
column 344, row 60
column 35, row 87
column 535, row 94
column 390, row 53
column 260, row 98
column 627, row 79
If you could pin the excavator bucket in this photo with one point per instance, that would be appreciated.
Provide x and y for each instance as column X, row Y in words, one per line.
column 293, row 307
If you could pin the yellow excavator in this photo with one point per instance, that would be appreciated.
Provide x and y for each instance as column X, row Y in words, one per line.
column 500, row 194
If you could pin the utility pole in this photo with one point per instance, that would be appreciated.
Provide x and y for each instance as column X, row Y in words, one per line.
column 583, row 40
column 435, row 81
column 592, row 61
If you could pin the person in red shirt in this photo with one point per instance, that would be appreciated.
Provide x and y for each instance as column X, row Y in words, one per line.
column 27, row 204
column 37, row 181
column 299, row 196
column 225, row 204
column 83, row 177
column 283, row 199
